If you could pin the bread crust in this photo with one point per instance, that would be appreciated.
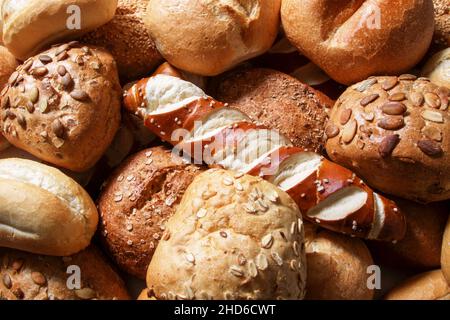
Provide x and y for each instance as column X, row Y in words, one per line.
column 445, row 253
column 7, row 65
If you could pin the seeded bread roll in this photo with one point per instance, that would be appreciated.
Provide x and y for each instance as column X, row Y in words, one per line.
column 445, row 254
column 140, row 196
column 352, row 40
column 127, row 38
column 393, row 132
column 208, row 37
column 278, row 101
column 421, row 246
column 214, row 248
column 425, row 286
column 26, row 276
column 337, row 266
column 63, row 105
column 31, row 25
column 442, row 27
column 437, row 68
column 7, row 65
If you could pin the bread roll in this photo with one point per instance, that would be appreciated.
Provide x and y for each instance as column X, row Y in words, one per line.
column 337, row 266
column 438, row 68
column 63, row 105
column 140, row 196
column 421, row 246
column 31, row 25
column 207, row 37
column 28, row 276
column 4, row 144
column 425, row 286
column 214, row 248
column 445, row 255
column 352, row 40
column 128, row 40
column 280, row 102
column 442, row 27
column 42, row 210
column 7, row 65
column 393, row 132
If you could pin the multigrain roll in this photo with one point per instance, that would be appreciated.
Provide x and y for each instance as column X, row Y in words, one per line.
column 430, row 285
column 393, row 132
column 437, row 68
column 278, row 101
column 26, row 276
column 208, row 37
column 29, row 26
column 352, row 40
column 7, row 65
column 63, row 105
column 442, row 27
column 128, row 40
column 140, row 196
column 337, row 266
column 214, row 248
column 445, row 255
column 42, row 210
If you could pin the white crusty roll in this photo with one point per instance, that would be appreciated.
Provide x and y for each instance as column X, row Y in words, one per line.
column 205, row 129
column 42, row 210
column 351, row 40
column 215, row 247
column 437, row 68
column 31, row 25
column 207, row 37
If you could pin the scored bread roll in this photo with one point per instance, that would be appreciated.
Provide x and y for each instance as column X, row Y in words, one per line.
column 42, row 210
column 393, row 132
column 127, row 38
column 215, row 248
column 430, row 285
column 26, row 276
column 208, row 37
column 31, row 25
column 445, row 254
column 352, row 40
column 437, row 68
column 280, row 102
column 63, row 105
column 337, row 266
column 129, row 230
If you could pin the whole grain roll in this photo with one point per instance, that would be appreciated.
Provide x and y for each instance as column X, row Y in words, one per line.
column 139, row 198
column 442, row 19
column 63, row 105
column 445, row 255
column 128, row 40
column 7, row 65
column 29, row 26
column 393, row 132
column 437, row 68
column 352, row 40
column 337, row 266
column 278, row 101
column 233, row 236
column 26, row 276
column 208, row 37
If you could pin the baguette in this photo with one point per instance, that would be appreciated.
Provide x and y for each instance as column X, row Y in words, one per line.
column 209, row 130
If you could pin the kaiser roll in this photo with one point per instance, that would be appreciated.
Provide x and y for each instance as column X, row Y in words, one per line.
column 438, row 68
column 393, row 132
column 42, row 210
column 31, row 25
column 207, row 37
column 26, row 276
column 445, row 254
column 215, row 246
column 63, row 105
column 351, row 40
column 138, row 199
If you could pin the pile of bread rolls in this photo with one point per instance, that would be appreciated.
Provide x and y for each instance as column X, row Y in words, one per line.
column 190, row 150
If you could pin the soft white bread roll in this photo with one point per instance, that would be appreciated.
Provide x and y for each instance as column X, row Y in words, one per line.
column 207, row 37
column 337, row 266
column 437, row 68
column 445, row 253
column 425, row 286
column 42, row 210
column 233, row 236
column 32, row 25
column 351, row 40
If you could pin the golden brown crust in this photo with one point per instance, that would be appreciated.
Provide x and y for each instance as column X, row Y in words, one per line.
column 7, row 65
column 445, row 254
column 393, row 132
column 352, row 40
column 233, row 236
column 337, row 266
column 63, row 105
column 280, row 102
column 127, row 38
column 26, row 276
column 141, row 195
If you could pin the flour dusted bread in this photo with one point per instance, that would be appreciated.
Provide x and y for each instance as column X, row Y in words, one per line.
column 233, row 236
